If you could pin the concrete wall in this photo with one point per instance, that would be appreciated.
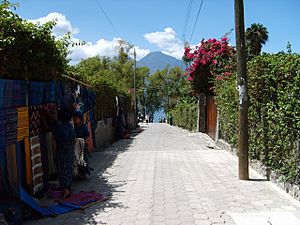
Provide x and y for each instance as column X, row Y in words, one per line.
column 105, row 134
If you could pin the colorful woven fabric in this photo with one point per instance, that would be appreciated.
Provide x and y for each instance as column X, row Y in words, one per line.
column 50, row 92
column 84, row 199
column 2, row 129
column 45, row 165
column 8, row 94
column 20, row 93
column 36, row 93
column 2, row 91
column 12, row 168
column 51, row 153
column 23, row 123
column 11, row 126
column 36, row 164
column 34, row 121
column 27, row 157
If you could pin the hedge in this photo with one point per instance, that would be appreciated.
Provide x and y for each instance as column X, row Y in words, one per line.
column 274, row 112
column 185, row 115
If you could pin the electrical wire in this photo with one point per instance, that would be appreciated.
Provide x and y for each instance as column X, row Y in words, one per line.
column 198, row 13
column 108, row 19
column 187, row 17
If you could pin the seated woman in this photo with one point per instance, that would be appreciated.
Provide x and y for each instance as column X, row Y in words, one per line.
column 81, row 131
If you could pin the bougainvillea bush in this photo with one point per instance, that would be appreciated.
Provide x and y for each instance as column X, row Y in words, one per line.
column 212, row 60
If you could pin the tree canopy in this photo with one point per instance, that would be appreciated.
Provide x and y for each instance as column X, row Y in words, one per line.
column 30, row 51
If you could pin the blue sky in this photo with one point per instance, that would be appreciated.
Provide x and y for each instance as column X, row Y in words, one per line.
column 157, row 25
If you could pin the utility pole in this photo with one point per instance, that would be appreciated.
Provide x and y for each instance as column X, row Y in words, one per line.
column 134, row 88
column 243, row 164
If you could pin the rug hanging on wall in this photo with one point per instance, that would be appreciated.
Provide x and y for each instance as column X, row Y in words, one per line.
column 36, row 164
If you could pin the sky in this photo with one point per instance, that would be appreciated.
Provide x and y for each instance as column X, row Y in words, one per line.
column 159, row 25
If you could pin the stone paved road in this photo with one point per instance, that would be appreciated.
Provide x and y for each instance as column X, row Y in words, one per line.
column 167, row 176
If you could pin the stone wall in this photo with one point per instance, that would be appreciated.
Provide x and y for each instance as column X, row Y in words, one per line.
column 105, row 134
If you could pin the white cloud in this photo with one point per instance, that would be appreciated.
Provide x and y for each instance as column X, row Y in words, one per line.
column 102, row 48
column 63, row 25
column 167, row 41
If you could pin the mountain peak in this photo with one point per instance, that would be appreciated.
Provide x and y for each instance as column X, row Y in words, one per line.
column 158, row 60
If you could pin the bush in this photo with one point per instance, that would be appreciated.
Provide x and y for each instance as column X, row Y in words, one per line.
column 185, row 115
column 274, row 112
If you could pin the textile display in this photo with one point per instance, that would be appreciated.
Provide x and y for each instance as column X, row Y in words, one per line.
column 48, row 115
column 2, row 169
column 20, row 92
column 36, row 164
column 45, row 211
column 2, row 91
column 43, row 148
column 20, row 157
column 11, row 126
column 12, row 167
column 79, row 155
column 23, row 123
column 27, row 157
column 34, row 121
column 50, row 92
column 51, row 153
column 50, row 112
column 8, row 94
column 36, row 93
column 84, row 199
column 2, row 129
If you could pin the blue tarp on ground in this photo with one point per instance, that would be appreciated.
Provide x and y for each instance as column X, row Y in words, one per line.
column 46, row 211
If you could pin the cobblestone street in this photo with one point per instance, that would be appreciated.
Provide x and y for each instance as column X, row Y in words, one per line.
column 168, row 176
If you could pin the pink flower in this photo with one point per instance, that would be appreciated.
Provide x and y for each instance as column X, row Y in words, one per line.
column 220, row 77
column 224, row 39
column 214, row 62
column 190, row 79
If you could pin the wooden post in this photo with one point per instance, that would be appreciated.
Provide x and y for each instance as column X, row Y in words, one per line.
column 242, row 88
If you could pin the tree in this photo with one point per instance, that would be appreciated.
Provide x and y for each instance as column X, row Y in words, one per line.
column 30, row 51
column 165, row 88
column 256, row 36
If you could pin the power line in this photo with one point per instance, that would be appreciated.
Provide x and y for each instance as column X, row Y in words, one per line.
column 187, row 17
column 108, row 19
column 198, row 13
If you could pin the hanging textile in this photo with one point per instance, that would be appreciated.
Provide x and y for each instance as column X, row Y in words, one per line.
column 36, row 93
column 11, row 126
column 2, row 149
column 27, row 157
column 2, row 129
column 50, row 92
column 20, row 92
column 8, row 94
column 51, row 153
column 36, row 164
column 2, row 91
column 34, row 120
column 43, row 149
column 12, row 168
column 48, row 116
column 23, row 123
